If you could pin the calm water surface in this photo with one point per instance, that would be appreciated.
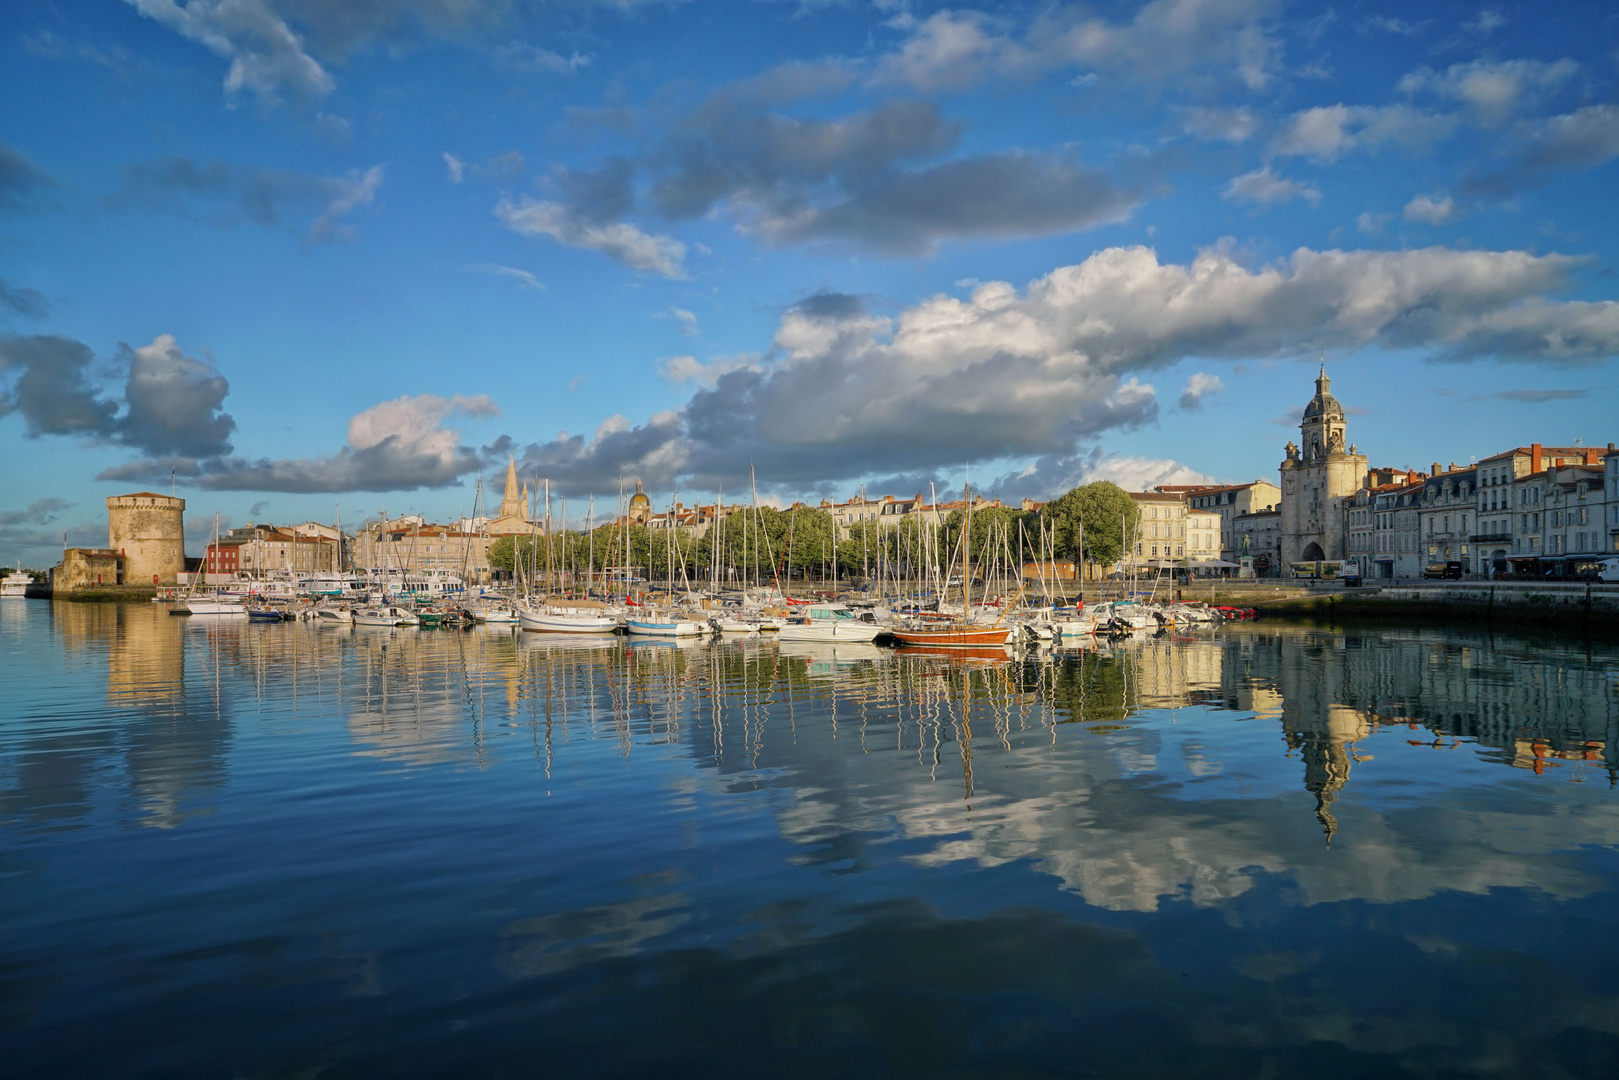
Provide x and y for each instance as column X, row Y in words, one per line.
column 237, row 850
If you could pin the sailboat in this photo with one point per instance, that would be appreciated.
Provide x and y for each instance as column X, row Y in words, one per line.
column 963, row 634
column 214, row 604
column 549, row 617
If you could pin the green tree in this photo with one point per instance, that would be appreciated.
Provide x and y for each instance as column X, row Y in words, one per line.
column 1092, row 521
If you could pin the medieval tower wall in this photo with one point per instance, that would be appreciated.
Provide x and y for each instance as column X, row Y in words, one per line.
column 149, row 529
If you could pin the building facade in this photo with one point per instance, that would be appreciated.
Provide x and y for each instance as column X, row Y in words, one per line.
column 1447, row 516
column 1259, row 537
column 1160, row 528
column 1318, row 478
column 1230, row 501
column 1398, row 540
column 87, row 568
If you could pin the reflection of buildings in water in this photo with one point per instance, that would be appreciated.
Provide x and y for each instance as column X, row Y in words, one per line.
column 146, row 660
column 1171, row 674
column 408, row 699
column 173, row 744
column 1123, row 838
column 177, row 737
column 1533, row 709
column 80, row 627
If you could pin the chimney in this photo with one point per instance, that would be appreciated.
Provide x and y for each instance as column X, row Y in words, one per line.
column 1435, row 469
column 1534, row 457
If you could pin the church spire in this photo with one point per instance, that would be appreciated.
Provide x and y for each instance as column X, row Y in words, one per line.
column 511, row 500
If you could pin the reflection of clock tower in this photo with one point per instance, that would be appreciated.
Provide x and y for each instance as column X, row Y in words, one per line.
column 1318, row 477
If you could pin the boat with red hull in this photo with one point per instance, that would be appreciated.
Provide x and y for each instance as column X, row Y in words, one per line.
column 954, row 637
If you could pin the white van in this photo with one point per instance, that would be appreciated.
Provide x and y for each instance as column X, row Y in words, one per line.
column 1608, row 570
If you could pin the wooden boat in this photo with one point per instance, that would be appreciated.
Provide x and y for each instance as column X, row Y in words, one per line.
column 957, row 636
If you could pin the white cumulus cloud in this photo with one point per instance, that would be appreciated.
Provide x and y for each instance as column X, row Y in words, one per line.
column 1009, row 374
column 1199, row 385
column 1264, row 187
column 1430, row 209
column 618, row 240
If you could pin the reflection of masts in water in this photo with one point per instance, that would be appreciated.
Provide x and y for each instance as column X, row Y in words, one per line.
column 967, row 735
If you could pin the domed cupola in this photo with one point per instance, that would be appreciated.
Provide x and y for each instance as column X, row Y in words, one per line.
column 1321, row 432
column 640, row 506
column 1323, row 405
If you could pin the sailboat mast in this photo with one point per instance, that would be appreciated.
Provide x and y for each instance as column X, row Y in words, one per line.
column 966, row 545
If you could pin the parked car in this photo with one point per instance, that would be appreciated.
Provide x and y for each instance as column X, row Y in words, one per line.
column 1608, row 571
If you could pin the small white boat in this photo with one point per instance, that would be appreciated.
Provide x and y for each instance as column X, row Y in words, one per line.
column 648, row 623
column 730, row 624
column 219, row 605
column 549, row 620
column 494, row 614
column 1125, row 612
column 15, row 584
column 385, row 615
column 323, row 613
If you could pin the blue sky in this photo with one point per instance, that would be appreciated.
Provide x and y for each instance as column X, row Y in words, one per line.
column 307, row 255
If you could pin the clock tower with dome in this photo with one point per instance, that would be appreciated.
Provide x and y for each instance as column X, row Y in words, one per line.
column 1319, row 475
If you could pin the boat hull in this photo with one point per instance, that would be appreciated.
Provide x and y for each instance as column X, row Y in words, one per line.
column 213, row 607
column 559, row 622
column 660, row 628
column 962, row 638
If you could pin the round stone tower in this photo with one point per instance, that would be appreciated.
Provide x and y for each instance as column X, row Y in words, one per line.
column 150, row 531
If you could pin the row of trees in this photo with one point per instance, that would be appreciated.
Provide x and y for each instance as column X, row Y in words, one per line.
column 1089, row 523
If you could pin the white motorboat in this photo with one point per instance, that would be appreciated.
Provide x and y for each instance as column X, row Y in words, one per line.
column 1122, row 612
column 552, row 620
column 385, row 615
column 730, row 624
column 828, row 622
column 323, row 613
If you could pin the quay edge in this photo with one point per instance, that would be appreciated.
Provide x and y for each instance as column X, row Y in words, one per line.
column 1571, row 608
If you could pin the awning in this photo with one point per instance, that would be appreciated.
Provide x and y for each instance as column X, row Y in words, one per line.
column 1214, row 564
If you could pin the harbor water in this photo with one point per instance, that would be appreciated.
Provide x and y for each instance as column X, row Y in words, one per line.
column 298, row 850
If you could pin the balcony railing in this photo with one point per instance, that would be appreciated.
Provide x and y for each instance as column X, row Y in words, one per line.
column 1490, row 538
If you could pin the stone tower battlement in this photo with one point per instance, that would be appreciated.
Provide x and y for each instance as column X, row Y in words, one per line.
column 149, row 530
